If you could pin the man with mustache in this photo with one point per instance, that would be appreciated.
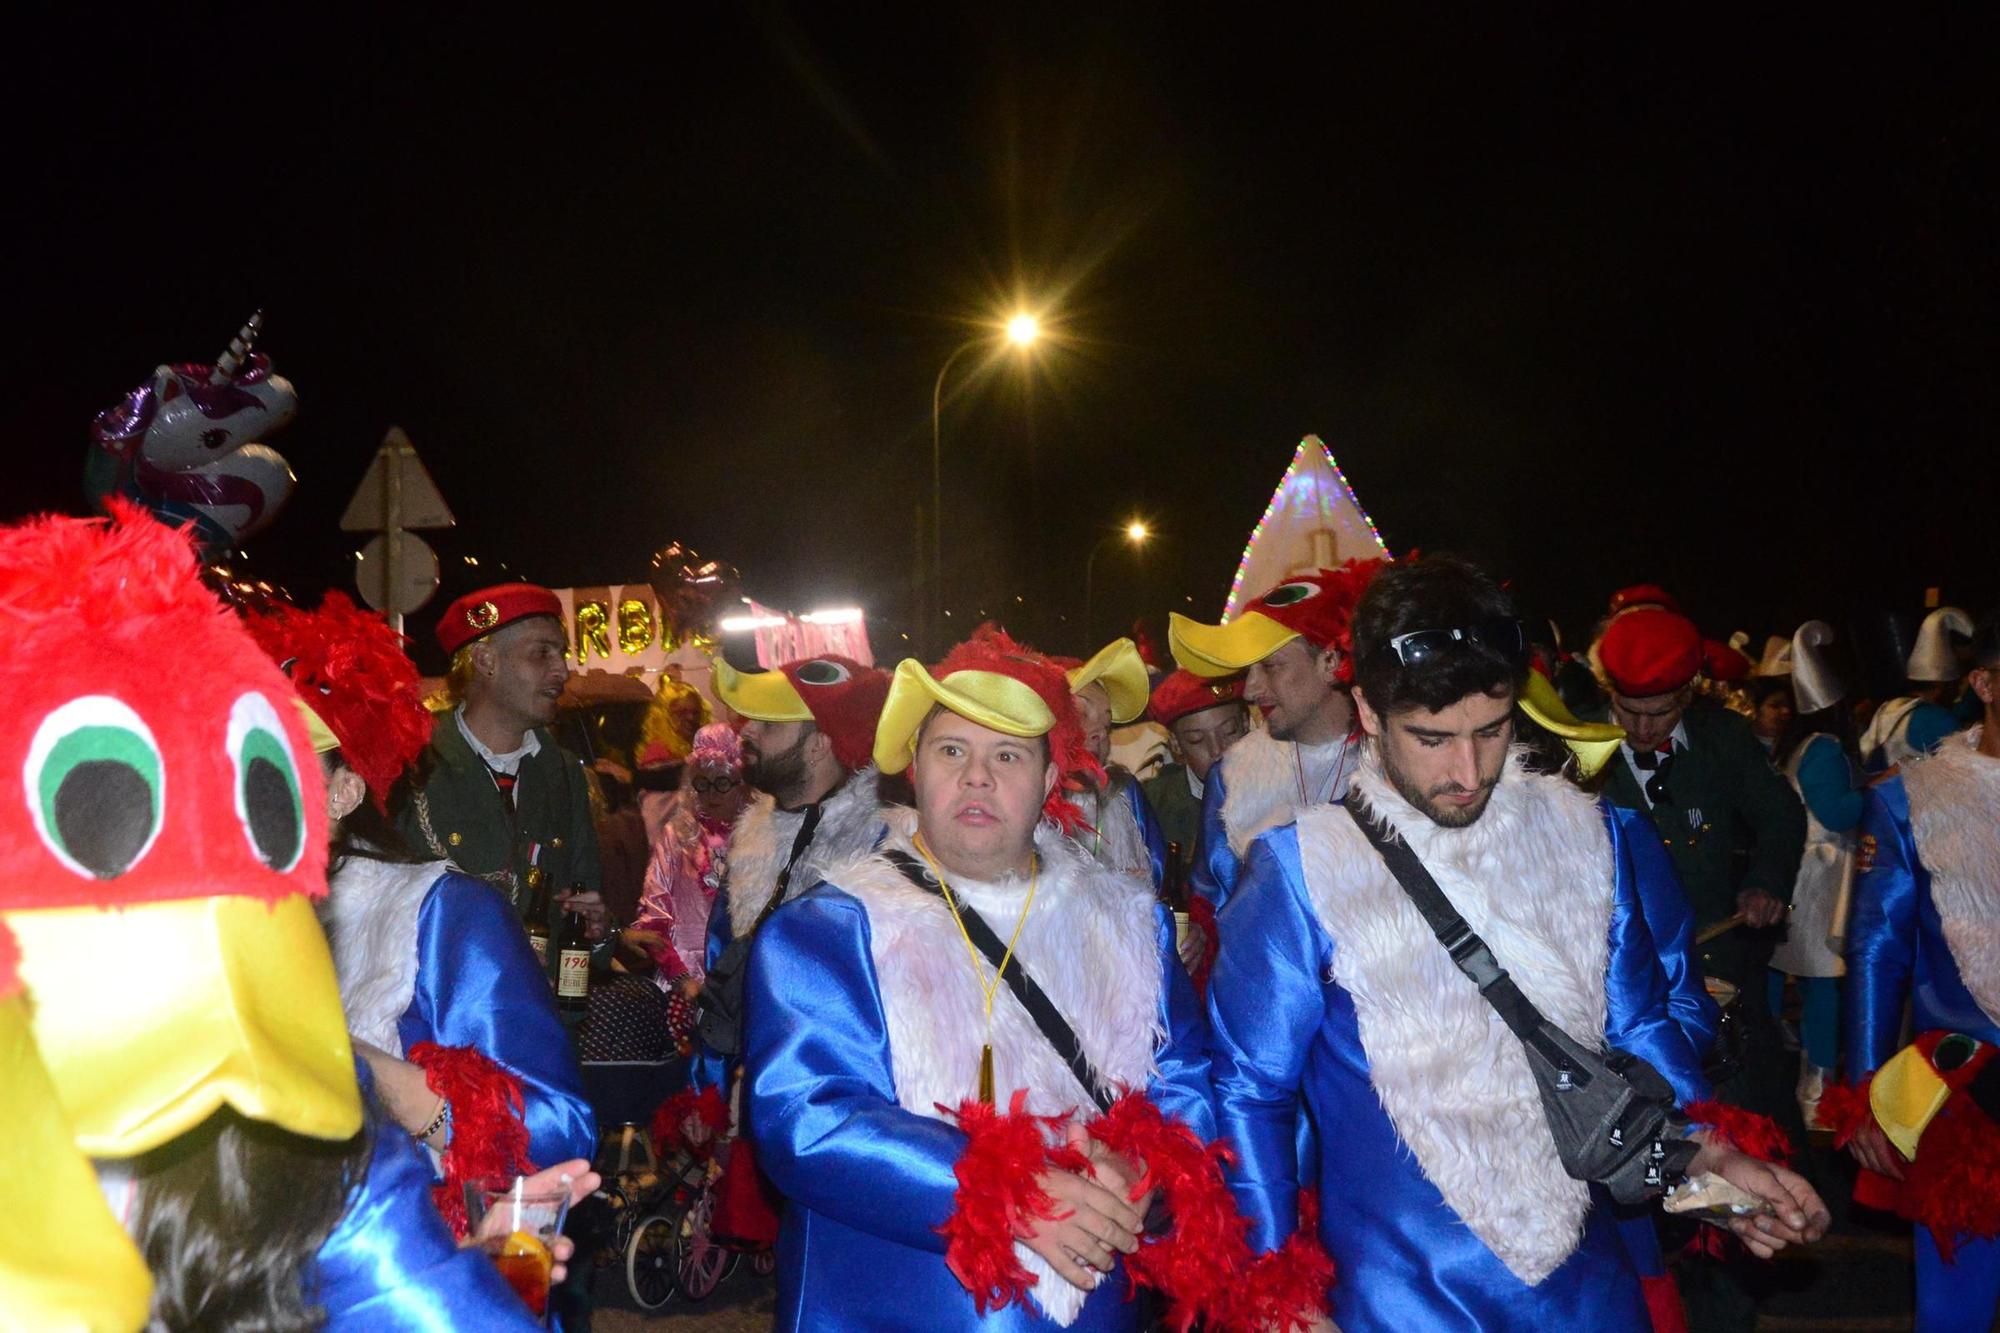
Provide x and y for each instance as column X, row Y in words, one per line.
column 1291, row 646
column 972, row 1058
column 494, row 793
column 1446, row 1204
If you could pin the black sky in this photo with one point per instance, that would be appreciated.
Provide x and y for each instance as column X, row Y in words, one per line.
column 1597, row 298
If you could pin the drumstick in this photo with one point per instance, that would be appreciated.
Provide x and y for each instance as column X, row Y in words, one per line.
column 1722, row 927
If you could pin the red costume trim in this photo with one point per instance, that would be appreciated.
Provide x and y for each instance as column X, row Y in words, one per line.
column 1844, row 1109
column 1663, row 1304
column 1286, row 1288
column 1745, row 1131
column 1201, row 913
column 998, row 1193
column 488, row 1136
column 706, row 1108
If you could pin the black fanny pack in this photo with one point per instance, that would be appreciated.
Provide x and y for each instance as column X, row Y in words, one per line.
column 1612, row 1115
column 719, row 1016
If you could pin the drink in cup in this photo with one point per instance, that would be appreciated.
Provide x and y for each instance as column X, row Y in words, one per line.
column 517, row 1227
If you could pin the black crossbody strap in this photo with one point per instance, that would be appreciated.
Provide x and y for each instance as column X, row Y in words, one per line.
column 1047, row 1017
column 807, row 827
column 1467, row 950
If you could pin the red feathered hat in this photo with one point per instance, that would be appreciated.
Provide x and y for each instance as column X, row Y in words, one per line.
column 1184, row 693
column 350, row 668
column 1317, row 607
column 1650, row 651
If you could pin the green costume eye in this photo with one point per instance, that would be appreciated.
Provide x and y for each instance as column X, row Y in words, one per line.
column 1290, row 594
column 95, row 786
column 822, row 672
column 267, row 783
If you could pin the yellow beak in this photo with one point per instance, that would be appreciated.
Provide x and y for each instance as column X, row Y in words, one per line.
column 1123, row 673
column 1223, row 650
column 992, row 700
column 763, row 696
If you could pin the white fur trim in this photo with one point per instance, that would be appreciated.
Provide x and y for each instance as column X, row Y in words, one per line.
column 1534, row 877
column 1262, row 787
column 1955, row 816
column 850, row 822
column 1090, row 942
column 1115, row 841
column 371, row 922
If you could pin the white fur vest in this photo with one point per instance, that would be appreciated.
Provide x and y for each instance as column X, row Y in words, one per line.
column 371, row 922
column 1955, row 817
column 1113, row 839
column 850, row 822
column 1263, row 786
column 1534, row 876
column 1089, row 941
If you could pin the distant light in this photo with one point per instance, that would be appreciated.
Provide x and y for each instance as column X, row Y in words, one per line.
column 472, row 560
column 1023, row 329
column 744, row 624
column 1137, row 531
column 838, row 615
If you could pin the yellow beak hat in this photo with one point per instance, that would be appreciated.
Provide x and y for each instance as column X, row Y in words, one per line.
column 837, row 694
column 162, row 839
column 1593, row 743
column 1317, row 607
column 1119, row 668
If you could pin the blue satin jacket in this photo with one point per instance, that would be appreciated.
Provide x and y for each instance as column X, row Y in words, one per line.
column 1149, row 829
column 866, row 1182
column 1286, row 1039
column 479, row 985
column 390, row 1265
column 1670, row 919
column 1213, row 874
column 1896, row 949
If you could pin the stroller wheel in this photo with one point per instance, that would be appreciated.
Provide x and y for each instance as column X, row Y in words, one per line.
column 650, row 1260
column 701, row 1264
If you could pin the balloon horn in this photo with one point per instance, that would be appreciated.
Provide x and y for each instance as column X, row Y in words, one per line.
column 238, row 351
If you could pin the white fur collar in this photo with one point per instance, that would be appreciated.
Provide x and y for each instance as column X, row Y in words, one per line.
column 1114, row 840
column 1262, row 787
column 1955, row 817
column 371, row 922
column 1090, row 941
column 850, row 822
column 1535, row 878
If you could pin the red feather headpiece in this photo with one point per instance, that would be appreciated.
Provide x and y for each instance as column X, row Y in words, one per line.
column 350, row 668
column 992, row 649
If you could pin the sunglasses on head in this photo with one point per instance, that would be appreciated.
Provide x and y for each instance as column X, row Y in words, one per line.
column 714, row 786
column 1503, row 634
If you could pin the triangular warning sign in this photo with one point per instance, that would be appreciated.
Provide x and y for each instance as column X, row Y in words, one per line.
column 420, row 505
column 1312, row 522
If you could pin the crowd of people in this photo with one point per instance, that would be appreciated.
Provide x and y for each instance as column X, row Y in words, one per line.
column 1438, row 978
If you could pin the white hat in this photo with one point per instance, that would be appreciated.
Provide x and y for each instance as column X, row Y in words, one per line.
column 1815, row 683
column 1933, row 660
column 1777, row 659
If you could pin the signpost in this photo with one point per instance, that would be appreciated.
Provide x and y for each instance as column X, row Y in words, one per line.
column 397, row 572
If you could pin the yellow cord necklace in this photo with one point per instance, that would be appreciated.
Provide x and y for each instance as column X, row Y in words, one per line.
column 988, row 988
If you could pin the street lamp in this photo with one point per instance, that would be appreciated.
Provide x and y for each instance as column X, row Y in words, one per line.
column 1023, row 331
column 1136, row 533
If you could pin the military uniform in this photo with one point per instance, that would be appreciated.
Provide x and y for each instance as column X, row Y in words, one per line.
column 1176, row 808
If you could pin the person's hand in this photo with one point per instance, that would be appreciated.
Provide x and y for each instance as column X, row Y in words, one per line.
column 1194, row 946
column 596, row 916
column 1799, row 1215
column 1115, row 1172
column 1871, row 1148
column 1759, row 909
column 640, row 938
column 582, row 1183
column 1091, row 1227
column 690, row 986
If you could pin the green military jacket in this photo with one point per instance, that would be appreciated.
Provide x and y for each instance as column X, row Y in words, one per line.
column 1722, row 794
column 1177, row 809
column 453, row 810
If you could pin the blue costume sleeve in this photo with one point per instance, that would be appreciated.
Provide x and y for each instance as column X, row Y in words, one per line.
column 1266, row 1002
column 1149, row 829
column 1827, row 783
column 708, row 1069
column 1670, row 919
column 1215, row 868
column 1637, row 1017
column 1183, row 1089
column 1929, row 724
column 821, row 1097
column 1881, row 932
column 390, row 1263
column 479, row 985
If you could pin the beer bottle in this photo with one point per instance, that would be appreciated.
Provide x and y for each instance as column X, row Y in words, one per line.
column 573, row 962
column 536, row 914
column 1173, row 884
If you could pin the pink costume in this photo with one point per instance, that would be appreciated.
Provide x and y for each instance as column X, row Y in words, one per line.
column 687, row 866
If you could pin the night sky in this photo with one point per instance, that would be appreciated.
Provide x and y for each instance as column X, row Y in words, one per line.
column 1711, row 304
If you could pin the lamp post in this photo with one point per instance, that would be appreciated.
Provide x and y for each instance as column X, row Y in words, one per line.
column 1023, row 330
column 1135, row 532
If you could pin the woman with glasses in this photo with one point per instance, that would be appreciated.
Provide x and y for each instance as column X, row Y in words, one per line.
column 687, row 867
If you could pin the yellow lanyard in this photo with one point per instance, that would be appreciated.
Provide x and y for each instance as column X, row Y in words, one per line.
column 988, row 988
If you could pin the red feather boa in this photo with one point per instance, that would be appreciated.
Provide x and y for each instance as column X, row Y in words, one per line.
column 1745, row 1131
column 488, row 1136
column 1844, row 1109
column 1953, row 1187
column 1203, row 1266
column 705, row 1108
column 1201, row 913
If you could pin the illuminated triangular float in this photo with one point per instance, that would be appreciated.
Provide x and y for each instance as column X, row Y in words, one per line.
column 1312, row 522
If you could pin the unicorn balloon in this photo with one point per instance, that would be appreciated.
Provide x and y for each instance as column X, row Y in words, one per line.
column 187, row 443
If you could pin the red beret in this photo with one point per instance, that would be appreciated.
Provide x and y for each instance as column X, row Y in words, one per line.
column 1642, row 594
column 1721, row 662
column 478, row 614
column 1650, row 651
column 1184, row 692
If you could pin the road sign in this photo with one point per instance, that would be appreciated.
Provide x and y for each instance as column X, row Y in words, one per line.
column 414, row 569
column 396, row 474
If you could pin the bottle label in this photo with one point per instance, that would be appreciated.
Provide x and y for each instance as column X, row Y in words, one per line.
column 573, row 974
column 541, row 945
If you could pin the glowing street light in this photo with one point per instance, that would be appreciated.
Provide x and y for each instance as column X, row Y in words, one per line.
column 1023, row 329
column 1135, row 532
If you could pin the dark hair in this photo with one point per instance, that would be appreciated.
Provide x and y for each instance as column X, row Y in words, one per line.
column 1986, row 640
column 1836, row 720
column 231, row 1217
column 1435, row 592
column 1761, row 688
column 367, row 833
